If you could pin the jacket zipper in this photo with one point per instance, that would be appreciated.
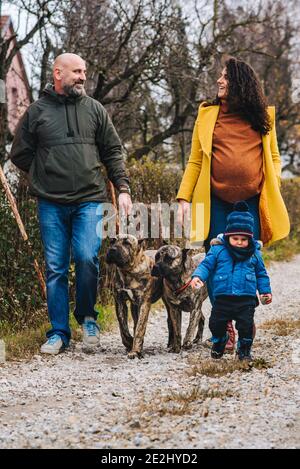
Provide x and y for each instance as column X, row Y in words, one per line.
column 70, row 131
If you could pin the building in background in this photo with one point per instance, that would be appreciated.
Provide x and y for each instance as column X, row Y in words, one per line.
column 18, row 93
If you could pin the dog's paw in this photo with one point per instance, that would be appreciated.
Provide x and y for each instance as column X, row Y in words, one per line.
column 174, row 349
column 187, row 345
column 197, row 340
column 132, row 355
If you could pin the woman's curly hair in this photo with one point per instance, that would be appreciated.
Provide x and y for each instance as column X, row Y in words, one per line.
column 245, row 95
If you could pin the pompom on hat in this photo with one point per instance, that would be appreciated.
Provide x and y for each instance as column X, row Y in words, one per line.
column 240, row 221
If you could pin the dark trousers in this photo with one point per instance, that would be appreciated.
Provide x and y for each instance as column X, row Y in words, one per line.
column 238, row 308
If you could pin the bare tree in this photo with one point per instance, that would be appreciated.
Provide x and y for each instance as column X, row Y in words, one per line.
column 40, row 12
column 192, row 62
column 270, row 47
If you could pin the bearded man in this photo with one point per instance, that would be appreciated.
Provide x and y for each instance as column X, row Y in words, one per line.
column 61, row 141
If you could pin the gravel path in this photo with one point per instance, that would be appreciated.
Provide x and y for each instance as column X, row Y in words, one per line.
column 104, row 400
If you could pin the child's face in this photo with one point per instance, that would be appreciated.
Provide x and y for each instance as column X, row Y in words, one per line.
column 239, row 241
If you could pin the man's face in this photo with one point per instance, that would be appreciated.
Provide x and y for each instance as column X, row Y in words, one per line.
column 71, row 77
column 239, row 241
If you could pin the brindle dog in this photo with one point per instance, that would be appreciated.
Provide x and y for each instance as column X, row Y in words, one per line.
column 135, row 284
column 175, row 266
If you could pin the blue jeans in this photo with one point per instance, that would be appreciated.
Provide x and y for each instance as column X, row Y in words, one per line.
column 219, row 211
column 65, row 229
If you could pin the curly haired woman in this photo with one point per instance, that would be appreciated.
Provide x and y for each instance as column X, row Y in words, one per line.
column 234, row 156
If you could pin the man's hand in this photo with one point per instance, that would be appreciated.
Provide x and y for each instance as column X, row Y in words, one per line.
column 125, row 204
column 266, row 298
column 196, row 283
column 183, row 211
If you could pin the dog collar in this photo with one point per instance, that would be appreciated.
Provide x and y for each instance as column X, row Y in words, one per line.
column 182, row 288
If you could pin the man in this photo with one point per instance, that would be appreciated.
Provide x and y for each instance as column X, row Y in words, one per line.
column 60, row 142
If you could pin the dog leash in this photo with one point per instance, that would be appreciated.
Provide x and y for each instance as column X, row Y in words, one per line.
column 181, row 289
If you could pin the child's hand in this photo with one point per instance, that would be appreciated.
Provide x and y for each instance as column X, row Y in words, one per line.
column 196, row 283
column 266, row 299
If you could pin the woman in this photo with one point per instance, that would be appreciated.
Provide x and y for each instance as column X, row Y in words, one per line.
column 234, row 156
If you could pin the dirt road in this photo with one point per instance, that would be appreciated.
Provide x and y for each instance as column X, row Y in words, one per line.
column 76, row 400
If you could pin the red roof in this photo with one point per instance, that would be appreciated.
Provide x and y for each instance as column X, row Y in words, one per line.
column 3, row 20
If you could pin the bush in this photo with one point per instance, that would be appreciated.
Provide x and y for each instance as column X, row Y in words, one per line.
column 21, row 301
column 286, row 248
column 148, row 180
column 291, row 193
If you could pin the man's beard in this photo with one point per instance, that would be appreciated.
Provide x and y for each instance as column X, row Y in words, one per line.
column 72, row 91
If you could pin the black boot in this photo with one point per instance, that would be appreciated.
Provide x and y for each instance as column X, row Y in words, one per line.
column 244, row 349
column 218, row 347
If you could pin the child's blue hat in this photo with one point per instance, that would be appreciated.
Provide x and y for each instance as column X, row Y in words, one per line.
column 240, row 221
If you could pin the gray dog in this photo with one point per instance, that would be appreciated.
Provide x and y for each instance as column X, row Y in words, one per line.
column 175, row 266
column 135, row 284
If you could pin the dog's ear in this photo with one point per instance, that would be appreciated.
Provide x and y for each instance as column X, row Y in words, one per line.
column 142, row 243
column 186, row 256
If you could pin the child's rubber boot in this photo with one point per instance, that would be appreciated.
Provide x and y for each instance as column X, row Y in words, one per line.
column 218, row 346
column 244, row 349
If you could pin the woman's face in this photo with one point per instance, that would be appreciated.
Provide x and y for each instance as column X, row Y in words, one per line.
column 223, row 85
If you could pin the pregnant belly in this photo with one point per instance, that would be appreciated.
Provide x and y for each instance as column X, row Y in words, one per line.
column 236, row 181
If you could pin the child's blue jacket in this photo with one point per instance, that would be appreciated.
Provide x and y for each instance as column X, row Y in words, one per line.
column 233, row 278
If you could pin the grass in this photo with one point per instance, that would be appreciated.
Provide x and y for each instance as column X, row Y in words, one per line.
column 281, row 327
column 177, row 404
column 106, row 317
column 215, row 368
column 283, row 250
column 23, row 344
column 27, row 342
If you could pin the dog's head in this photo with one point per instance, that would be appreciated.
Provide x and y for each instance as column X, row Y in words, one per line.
column 124, row 249
column 171, row 260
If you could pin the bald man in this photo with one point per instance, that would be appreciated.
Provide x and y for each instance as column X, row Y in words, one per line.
column 61, row 141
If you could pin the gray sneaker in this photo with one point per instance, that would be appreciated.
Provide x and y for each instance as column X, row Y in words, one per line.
column 53, row 346
column 91, row 332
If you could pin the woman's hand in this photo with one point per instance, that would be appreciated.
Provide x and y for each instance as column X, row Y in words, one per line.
column 183, row 211
column 196, row 283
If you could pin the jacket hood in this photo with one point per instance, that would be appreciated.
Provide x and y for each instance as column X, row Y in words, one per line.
column 219, row 240
column 60, row 98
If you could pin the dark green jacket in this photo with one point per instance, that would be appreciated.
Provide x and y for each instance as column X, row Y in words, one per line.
column 61, row 142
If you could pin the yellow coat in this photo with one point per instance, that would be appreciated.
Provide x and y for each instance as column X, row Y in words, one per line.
column 195, row 184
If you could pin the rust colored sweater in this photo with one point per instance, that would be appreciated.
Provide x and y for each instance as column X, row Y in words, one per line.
column 237, row 158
